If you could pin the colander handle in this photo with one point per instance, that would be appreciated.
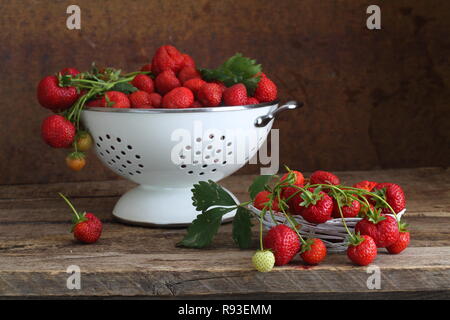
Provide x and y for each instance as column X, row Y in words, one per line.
column 264, row 120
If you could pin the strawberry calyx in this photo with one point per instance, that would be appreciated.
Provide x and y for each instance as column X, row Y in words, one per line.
column 355, row 239
column 375, row 216
column 306, row 245
column 76, row 155
column 403, row 227
column 311, row 198
column 382, row 194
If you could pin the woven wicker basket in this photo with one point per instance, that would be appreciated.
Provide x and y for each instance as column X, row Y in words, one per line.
column 332, row 232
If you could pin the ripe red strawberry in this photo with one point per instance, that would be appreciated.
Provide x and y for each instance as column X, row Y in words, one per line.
column 155, row 99
column 188, row 73
column 252, row 100
column 235, row 95
column 262, row 198
column 393, row 194
column 402, row 243
column 144, row 83
column 362, row 250
column 87, row 228
column 166, row 81
column 115, row 99
column 58, row 132
column 196, row 104
column 147, row 67
column 95, row 103
column 298, row 178
column 210, row 95
column 139, row 98
column 167, row 58
column 284, row 243
column 178, row 98
column 69, row 71
column 51, row 96
column 188, row 61
column 295, row 199
column 383, row 229
column 324, row 177
column 317, row 206
column 313, row 252
column 194, row 85
column 266, row 90
column 365, row 185
column 349, row 208
column 221, row 85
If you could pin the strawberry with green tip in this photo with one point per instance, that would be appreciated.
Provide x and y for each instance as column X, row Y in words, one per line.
column 362, row 250
column 383, row 229
column 313, row 251
column 57, row 131
column 87, row 228
column 313, row 205
column 83, row 141
column 76, row 160
column 263, row 260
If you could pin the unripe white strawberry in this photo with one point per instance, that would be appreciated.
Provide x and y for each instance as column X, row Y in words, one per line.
column 263, row 261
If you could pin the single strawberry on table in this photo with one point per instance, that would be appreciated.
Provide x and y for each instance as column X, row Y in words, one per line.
column 86, row 228
column 283, row 242
column 402, row 243
column 362, row 250
column 57, row 131
column 383, row 229
column 313, row 251
column 263, row 260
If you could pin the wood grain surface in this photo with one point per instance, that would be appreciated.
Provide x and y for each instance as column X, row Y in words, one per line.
column 36, row 248
column 374, row 99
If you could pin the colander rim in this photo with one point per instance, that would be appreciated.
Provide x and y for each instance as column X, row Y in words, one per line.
column 187, row 110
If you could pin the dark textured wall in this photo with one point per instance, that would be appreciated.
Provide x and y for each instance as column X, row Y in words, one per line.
column 373, row 98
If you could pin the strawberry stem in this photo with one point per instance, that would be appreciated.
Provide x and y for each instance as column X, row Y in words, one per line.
column 70, row 205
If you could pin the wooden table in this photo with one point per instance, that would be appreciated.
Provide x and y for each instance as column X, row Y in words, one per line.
column 36, row 248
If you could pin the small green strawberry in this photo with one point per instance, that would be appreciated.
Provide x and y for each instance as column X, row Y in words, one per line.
column 263, row 260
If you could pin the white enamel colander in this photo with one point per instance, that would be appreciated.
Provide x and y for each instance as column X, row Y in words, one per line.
column 166, row 151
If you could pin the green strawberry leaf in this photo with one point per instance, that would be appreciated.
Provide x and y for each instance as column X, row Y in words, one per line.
column 242, row 228
column 203, row 229
column 237, row 69
column 258, row 185
column 124, row 87
column 208, row 194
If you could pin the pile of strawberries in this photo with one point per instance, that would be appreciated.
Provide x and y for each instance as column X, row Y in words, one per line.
column 321, row 198
column 171, row 80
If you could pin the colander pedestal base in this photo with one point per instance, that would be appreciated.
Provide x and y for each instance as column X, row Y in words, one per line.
column 159, row 207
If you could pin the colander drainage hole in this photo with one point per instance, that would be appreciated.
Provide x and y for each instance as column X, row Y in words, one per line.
column 201, row 173
column 123, row 152
column 130, row 147
column 140, row 165
column 224, row 163
column 117, row 157
column 119, row 140
column 98, row 145
column 188, row 148
column 138, row 172
column 130, row 173
column 113, row 161
column 204, row 166
column 198, row 139
column 213, row 170
column 128, row 161
column 101, row 153
column 222, row 138
column 100, row 138
column 190, row 172
column 107, row 151
column 183, row 166
column 108, row 136
column 124, row 166
column 112, row 148
column 138, row 156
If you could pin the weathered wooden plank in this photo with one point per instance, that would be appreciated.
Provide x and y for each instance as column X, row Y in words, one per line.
column 220, row 272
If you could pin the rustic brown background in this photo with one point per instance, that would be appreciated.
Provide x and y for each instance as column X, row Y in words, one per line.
column 374, row 99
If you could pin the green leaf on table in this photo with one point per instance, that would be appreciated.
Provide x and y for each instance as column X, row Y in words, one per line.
column 258, row 185
column 206, row 194
column 237, row 69
column 242, row 228
column 203, row 229
column 124, row 87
